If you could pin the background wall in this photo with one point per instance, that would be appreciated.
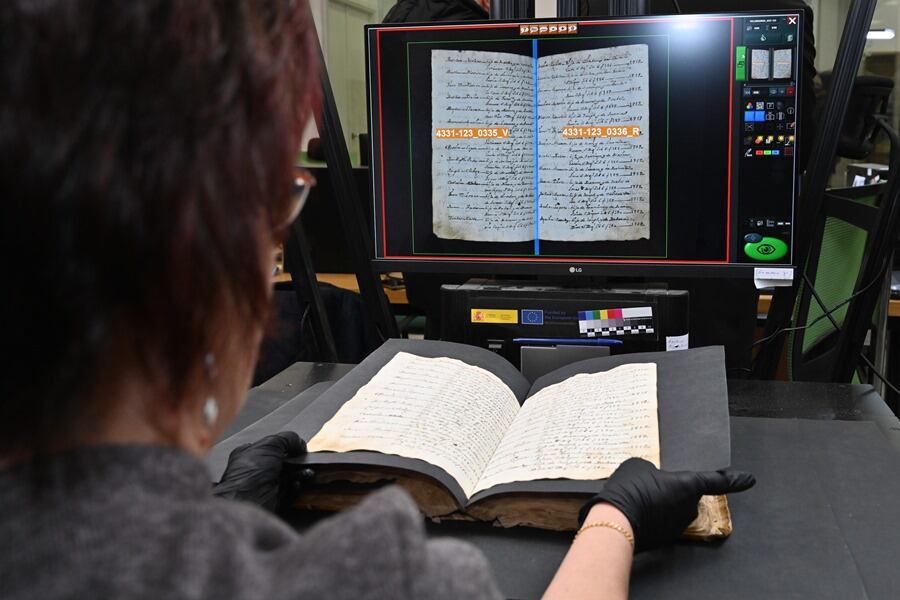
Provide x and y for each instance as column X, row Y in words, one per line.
column 339, row 24
column 340, row 27
column 880, row 57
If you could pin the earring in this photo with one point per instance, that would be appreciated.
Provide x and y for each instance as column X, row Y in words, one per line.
column 211, row 406
column 210, row 411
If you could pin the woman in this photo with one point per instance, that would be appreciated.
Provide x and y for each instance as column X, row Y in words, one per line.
column 146, row 155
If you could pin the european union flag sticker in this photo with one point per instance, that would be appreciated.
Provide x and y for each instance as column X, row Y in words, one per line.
column 532, row 317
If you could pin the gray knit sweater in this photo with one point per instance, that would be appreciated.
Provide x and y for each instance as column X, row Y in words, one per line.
column 139, row 522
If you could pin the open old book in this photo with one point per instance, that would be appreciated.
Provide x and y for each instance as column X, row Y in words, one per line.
column 470, row 438
column 554, row 148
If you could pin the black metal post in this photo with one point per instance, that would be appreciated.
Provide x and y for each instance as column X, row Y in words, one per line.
column 359, row 243
column 306, row 286
column 815, row 180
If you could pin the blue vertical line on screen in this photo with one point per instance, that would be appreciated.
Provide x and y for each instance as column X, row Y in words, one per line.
column 537, row 183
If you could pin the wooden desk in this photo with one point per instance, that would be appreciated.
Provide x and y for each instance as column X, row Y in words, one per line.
column 766, row 299
column 347, row 281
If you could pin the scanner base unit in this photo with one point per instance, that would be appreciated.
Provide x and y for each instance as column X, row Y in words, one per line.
column 495, row 314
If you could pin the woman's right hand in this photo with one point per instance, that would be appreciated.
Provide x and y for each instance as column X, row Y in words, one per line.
column 659, row 505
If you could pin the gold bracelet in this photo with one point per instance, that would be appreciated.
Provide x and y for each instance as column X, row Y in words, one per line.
column 610, row 525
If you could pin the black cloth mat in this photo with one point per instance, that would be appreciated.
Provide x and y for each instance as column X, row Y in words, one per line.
column 822, row 522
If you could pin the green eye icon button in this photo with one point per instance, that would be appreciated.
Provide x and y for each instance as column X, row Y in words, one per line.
column 767, row 249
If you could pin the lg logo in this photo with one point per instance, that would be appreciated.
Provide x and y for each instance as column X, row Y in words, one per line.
column 574, row 269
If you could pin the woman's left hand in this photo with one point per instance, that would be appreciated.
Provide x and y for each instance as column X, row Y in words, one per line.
column 255, row 471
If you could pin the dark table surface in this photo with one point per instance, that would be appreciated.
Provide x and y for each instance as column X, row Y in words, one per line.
column 823, row 520
column 266, row 397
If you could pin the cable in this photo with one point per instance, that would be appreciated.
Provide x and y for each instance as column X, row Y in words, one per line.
column 818, row 298
column 877, row 374
column 779, row 332
column 799, row 328
column 306, row 329
column 677, row 7
column 730, row 370
column 827, row 312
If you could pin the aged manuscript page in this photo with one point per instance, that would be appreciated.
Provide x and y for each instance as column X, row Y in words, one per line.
column 439, row 410
column 594, row 182
column 482, row 187
column 581, row 428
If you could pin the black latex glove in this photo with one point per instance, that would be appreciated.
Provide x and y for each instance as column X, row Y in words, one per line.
column 254, row 472
column 661, row 504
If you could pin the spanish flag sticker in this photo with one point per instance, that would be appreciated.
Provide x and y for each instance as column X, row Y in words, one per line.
column 495, row 315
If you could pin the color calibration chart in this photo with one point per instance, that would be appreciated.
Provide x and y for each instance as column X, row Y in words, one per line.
column 615, row 321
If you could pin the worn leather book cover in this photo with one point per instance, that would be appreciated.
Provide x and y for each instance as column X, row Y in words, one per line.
column 336, row 489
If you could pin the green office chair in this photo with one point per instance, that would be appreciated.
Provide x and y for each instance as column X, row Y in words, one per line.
column 850, row 248
column 844, row 264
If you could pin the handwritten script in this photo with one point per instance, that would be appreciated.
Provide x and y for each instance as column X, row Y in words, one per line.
column 440, row 410
column 581, row 428
column 594, row 189
column 590, row 189
column 482, row 189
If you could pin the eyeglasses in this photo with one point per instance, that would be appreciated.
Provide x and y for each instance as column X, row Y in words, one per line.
column 303, row 183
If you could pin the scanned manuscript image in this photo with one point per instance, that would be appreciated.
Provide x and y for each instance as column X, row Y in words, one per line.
column 555, row 148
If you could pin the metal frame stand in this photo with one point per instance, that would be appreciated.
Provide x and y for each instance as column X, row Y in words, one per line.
column 356, row 233
column 306, row 286
column 882, row 338
column 815, row 180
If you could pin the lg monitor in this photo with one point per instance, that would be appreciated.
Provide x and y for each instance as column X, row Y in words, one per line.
column 640, row 145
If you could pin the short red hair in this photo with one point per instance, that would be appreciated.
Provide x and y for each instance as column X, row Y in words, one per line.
column 146, row 154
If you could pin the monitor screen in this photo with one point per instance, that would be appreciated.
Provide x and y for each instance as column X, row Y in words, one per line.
column 615, row 146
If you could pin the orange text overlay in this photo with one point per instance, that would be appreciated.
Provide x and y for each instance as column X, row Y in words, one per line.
column 603, row 131
column 471, row 132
